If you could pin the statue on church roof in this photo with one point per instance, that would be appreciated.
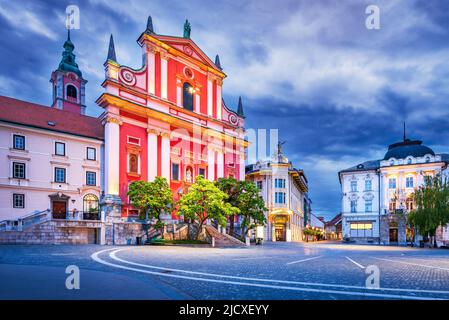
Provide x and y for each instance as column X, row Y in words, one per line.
column 187, row 29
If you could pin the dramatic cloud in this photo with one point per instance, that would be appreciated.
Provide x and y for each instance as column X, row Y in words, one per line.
column 337, row 92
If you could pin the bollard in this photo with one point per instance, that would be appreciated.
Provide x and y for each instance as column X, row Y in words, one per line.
column 247, row 242
column 213, row 241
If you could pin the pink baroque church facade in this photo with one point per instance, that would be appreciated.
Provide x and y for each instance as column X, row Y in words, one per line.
column 66, row 174
column 167, row 119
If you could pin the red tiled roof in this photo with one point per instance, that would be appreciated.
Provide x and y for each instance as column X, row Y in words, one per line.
column 39, row 116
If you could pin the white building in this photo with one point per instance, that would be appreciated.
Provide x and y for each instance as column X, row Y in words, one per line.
column 283, row 189
column 51, row 160
column 377, row 194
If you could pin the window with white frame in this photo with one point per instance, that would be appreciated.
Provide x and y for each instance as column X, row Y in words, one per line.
column 353, row 206
column 392, row 183
column 18, row 200
column 409, row 182
column 368, row 205
column 91, row 153
column 279, row 183
column 353, row 186
column 60, row 148
column 368, row 185
column 18, row 170
column 18, row 142
column 91, row 178
column 279, row 197
column 60, row 175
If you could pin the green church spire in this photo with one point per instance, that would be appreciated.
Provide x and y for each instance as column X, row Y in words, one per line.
column 68, row 58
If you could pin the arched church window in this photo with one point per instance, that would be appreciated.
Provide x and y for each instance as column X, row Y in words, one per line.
column 71, row 91
column 188, row 92
column 133, row 163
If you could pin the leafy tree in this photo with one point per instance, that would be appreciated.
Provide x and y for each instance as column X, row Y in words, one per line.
column 432, row 205
column 232, row 188
column 204, row 200
column 152, row 198
column 245, row 196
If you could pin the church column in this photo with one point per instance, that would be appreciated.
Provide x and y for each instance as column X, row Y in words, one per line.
column 219, row 84
column 152, row 154
column 111, row 200
column 197, row 101
column 210, row 95
column 165, row 156
column 164, row 68
column 151, row 71
column 220, row 164
column 241, row 157
column 210, row 163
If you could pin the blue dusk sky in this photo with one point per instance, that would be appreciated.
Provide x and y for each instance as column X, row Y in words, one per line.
column 337, row 92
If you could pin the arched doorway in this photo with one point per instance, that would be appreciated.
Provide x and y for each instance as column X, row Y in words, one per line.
column 90, row 207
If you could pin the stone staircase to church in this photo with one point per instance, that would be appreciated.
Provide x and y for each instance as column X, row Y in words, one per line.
column 223, row 240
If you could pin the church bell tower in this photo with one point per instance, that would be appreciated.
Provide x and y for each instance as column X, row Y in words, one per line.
column 67, row 81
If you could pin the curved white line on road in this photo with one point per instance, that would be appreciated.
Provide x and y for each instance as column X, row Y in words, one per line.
column 413, row 264
column 95, row 257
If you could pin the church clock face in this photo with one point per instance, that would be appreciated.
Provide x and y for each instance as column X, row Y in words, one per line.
column 187, row 50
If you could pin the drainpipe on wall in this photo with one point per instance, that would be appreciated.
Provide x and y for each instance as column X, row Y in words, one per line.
column 379, row 193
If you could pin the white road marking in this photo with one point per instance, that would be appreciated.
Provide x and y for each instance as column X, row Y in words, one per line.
column 303, row 260
column 252, row 258
column 357, row 264
column 113, row 256
column 413, row 264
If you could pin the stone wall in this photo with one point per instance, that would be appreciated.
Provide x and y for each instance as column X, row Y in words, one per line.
column 50, row 232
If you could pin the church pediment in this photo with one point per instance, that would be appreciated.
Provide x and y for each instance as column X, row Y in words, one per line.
column 189, row 48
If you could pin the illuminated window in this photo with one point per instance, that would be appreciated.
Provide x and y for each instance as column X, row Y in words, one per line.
column 409, row 204
column 361, row 229
column 188, row 96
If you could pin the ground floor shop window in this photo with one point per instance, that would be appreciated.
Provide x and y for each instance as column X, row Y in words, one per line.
column 361, row 229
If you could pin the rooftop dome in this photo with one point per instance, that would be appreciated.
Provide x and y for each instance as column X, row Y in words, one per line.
column 402, row 150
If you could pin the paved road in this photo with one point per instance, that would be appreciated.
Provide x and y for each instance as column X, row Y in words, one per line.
column 272, row 271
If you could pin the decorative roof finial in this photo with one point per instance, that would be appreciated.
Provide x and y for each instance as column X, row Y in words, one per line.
column 149, row 25
column 187, row 29
column 217, row 62
column 240, row 108
column 111, row 50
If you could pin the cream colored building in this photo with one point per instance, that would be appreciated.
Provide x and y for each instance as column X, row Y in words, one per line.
column 377, row 195
column 51, row 159
column 283, row 189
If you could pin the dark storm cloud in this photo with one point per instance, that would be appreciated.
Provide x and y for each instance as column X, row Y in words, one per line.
column 337, row 92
